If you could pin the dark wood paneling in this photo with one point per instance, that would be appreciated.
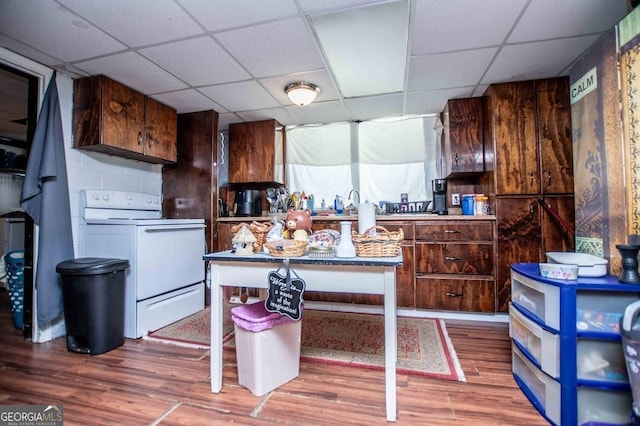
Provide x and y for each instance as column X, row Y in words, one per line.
column 189, row 187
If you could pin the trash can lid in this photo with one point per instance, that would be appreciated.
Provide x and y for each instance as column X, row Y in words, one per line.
column 91, row 266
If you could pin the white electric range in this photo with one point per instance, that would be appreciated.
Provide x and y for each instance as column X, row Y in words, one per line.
column 165, row 279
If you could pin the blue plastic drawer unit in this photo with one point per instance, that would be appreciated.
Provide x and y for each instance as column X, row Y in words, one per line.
column 567, row 350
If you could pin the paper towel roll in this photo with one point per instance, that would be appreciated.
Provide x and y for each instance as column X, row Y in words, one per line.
column 366, row 216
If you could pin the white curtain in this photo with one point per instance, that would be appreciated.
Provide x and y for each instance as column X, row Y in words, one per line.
column 379, row 158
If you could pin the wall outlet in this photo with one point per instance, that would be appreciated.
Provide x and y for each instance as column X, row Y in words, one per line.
column 455, row 199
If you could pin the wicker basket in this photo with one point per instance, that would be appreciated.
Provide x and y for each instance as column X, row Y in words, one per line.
column 286, row 248
column 381, row 243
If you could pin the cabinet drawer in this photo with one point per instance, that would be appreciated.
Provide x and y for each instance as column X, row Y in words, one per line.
column 543, row 301
column 448, row 294
column 454, row 258
column 542, row 345
column 455, row 231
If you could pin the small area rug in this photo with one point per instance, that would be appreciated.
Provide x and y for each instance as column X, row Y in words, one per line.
column 424, row 347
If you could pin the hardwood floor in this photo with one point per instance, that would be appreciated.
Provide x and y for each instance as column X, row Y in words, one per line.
column 149, row 383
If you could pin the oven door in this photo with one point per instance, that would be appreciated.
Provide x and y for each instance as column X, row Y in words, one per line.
column 169, row 257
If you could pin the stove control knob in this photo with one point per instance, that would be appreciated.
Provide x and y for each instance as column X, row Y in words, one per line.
column 105, row 196
column 95, row 196
column 129, row 197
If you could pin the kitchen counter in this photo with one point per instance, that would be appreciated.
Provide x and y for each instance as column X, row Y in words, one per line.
column 379, row 218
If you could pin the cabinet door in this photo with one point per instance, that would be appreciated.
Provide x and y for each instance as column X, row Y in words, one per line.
column 513, row 133
column 256, row 152
column 123, row 117
column 519, row 241
column 554, row 131
column 462, row 139
column 161, row 131
column 555, row 236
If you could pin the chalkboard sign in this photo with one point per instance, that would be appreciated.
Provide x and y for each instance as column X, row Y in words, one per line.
column 284, row 294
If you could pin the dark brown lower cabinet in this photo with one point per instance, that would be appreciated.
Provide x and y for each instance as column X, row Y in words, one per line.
column 526, row 231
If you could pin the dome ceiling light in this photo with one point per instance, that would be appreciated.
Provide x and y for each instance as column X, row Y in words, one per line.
column 301, row 93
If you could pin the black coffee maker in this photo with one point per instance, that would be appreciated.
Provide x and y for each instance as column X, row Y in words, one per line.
column 439, row 196
column 248, row 203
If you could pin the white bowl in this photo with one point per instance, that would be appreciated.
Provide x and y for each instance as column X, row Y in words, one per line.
column 559, row 271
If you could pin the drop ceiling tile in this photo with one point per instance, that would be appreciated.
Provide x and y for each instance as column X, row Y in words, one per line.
column 242, row 96
column 390, row 105
column 223, row 124
column 433, row 101
column 442, row 26
column 325, row 5
column 366, row 47
column 198, row 62
column 219, row 15
column 279, row 114
column 276, row 85
column 135, row 22
column 133, row 70
column 448, row 70
column 54, row 30
column 318, row 113
column 27, row 51
column 531, row 61
column 274, row 48
column 567, row 18
column 189, row 100
column 479, row 90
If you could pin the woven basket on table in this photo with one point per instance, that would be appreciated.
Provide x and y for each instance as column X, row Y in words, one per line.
column 377, row 242
column 286, row 248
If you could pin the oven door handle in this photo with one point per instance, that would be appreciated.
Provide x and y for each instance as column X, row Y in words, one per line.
column 174, row 228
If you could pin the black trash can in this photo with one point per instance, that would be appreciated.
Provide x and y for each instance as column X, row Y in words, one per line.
column 93, row 292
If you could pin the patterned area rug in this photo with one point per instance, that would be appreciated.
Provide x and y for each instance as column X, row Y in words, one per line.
column 424, row 347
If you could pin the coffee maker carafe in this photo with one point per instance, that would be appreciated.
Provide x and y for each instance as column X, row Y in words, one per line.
column 248, row 203
column 439, row 196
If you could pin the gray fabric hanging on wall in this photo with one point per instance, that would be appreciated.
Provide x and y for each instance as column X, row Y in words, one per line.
column 45, row 197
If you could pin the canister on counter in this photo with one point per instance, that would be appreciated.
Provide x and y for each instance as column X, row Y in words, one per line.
column 468, row 203
column 481, row 205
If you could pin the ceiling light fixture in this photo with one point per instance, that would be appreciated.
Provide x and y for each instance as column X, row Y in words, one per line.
column 301, row 93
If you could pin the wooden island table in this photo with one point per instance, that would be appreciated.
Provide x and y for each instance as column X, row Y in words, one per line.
column 367, row 275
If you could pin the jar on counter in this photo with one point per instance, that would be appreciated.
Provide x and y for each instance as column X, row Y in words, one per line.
column 481, row 205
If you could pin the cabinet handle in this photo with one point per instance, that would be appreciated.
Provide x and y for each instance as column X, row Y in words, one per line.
column 532, row 213
column 548, row 173
column 139, row 138
column 150, row 139
column 455, row 159
column 452, row 231
column 530, row 178
column 450, row 294
column 453, row 259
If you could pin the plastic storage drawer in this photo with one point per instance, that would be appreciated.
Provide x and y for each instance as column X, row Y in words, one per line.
column 544, row 389
column 540, row 299
column 541, row 344
column 601, row 360
column 600, row 311
column 595, row 405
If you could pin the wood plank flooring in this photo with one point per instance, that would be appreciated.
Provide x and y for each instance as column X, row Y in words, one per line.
column 149, row 383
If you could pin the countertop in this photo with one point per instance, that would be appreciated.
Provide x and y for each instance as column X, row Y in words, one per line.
column 379, row 218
